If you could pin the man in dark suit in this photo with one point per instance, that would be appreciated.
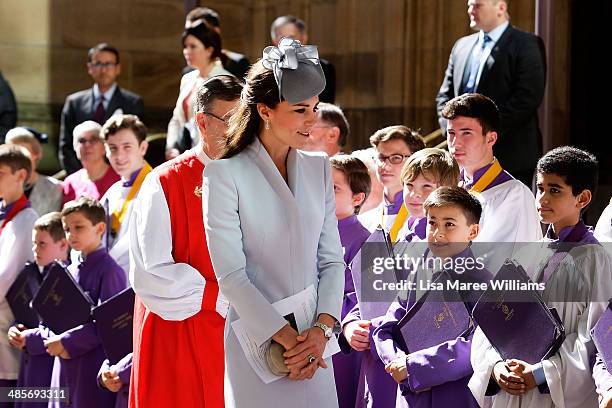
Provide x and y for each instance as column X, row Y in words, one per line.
column 293, row 27
column 98, row 103
column 234, row 62
column 509, row 66
column 8, row 108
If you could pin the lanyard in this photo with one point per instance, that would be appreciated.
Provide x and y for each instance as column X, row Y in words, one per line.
column 487, row 178
column 119, row 214
column 17, row 207
column 401, row 217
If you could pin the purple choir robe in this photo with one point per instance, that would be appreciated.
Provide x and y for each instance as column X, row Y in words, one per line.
column 101, row 277
column 437, row 376
column 348, row 362
column 124, row 370
column 376, row 388
column 35, row 364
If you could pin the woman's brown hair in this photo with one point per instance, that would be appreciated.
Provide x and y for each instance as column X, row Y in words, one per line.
column 245, row 122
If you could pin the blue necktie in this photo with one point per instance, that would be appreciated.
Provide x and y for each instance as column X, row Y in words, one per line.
column 470, row 86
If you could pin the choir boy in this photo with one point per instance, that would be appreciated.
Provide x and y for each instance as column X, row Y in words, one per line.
column 393, row 145
column 50, row 244
column 473, row 123
column 436, row 377
column 16, row 221
column 423, row 172
column 126, row 145
column 351, row 186
column 97, row 273
column 578, row 283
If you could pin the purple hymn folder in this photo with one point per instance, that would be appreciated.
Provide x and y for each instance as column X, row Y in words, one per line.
column 439, row 316
column 60, row 301
column 518, row 324
column 368, row 307
column 114, row 319
column 602, row 337
column 20, row 294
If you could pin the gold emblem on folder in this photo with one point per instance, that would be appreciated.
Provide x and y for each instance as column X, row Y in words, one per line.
column 198, row 191
column 506, row 310
column 446, row 312
column 53, row 295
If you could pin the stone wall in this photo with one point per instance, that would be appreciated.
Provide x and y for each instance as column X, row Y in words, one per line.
column 389, row 55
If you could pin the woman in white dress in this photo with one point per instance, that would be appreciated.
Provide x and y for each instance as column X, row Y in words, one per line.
column 202, row 51
column 270, row 223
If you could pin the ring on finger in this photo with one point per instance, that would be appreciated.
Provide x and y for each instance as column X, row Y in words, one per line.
column 311, row 359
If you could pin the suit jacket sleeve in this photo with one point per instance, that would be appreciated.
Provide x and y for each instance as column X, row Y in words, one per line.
column 528, row 82
column 8, row 109
column 67, row 156
column 447, row 89
column 224, row 238
column 138, row 108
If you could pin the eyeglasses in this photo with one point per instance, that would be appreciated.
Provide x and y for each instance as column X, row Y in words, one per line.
column 92, row 141
column 216, row 117
column 99, row 65
column 393, row 159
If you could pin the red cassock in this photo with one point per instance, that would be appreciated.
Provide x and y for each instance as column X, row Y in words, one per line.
column 180, row 363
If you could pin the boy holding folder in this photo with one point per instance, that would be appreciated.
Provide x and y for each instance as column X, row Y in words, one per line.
column 36, row 365
column 16, row 221
column 423, row 172
column 578, row 283
column 99, row 275
column 437, row 376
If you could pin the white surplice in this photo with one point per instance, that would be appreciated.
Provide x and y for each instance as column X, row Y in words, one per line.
column 508, row 214
column 603, row 229
column 171, row 290
column 15, row 251
column 587, row 270
column 268, row 240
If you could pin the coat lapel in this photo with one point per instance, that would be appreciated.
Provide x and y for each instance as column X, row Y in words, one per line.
column 494, row 55
column 461, row 73
column 88, row 103
column 288, row 194
column 115, row 103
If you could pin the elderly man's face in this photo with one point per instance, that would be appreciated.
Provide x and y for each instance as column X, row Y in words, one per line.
column 213, row 124
column 291, row 31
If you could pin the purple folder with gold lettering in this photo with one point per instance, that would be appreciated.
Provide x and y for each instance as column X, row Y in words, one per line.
column 60, row 301
column 438, row 316
column 371, row 303
column 602, row 337
column 114, row 319
column 20, row 294
column 518, row 324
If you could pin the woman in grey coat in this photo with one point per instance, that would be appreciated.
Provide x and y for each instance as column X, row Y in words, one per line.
column 269, row 214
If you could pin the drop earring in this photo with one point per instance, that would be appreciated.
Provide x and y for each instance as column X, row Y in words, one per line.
column 267, row 125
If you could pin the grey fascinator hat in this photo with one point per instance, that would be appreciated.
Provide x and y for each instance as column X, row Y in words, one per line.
column 296, row 68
